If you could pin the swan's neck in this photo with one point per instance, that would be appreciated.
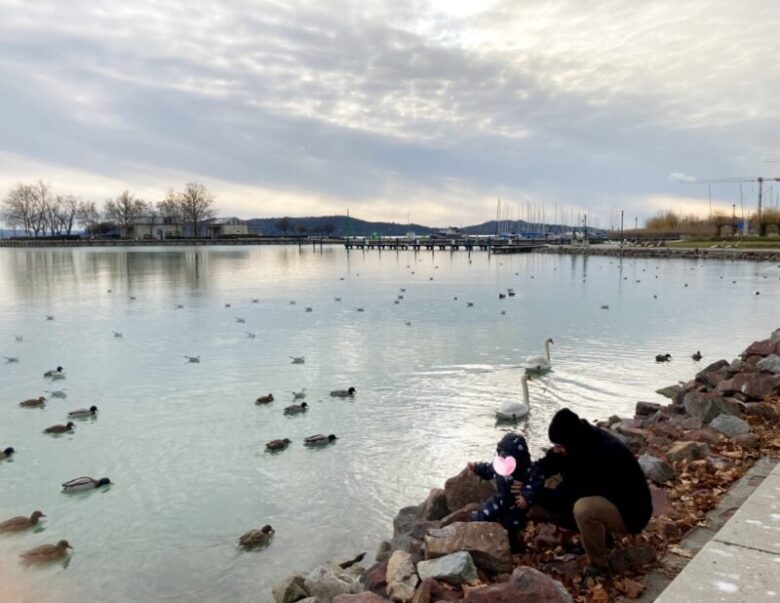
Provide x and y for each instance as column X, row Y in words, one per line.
column 547, row 350
column 525, row 391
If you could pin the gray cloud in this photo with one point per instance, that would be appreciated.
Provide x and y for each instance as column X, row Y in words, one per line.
column 591, row 106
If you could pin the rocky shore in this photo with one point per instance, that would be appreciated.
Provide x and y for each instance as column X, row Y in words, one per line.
column 691, row 449
column 715, row 253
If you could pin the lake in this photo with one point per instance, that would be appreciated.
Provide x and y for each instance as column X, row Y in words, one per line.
column 184, row 442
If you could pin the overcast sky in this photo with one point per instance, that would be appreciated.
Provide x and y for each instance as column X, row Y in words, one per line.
column 427, row 109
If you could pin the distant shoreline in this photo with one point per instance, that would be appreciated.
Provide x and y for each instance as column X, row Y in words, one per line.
column 703, row 253
column 27, row 243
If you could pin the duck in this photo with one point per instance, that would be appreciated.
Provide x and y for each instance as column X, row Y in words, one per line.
column 361, row 310
column 265, row 399
column 408, row 323
column 319, row 440
column 6, row 453
column 255, row 300
column 511, row 292
column 256, row 539
column 12, row 358
column 515, row 410
column 227, row 305
column 18, row 338
column 298, row 359
column 50, row 373
column 50, row 317
column 309, row 309
column 469, row 304
column 47, row 553
column 605, row 307
column 296, row 408
column 292, row 302
column 663, row 357
column 251, row 334
column 540, row 364
column 83, row 413
column 299, row 395
column 179, row 306
column 240, row 320
column 501, row 296
column 193, row 359
column 337, row 299
column 17, row 524
column 117, row 334
column 39, row 402
column 80, row 484
column 58, row 376
column 278, row 444
column 697, row 356
column 68, row 427
column 343, row 393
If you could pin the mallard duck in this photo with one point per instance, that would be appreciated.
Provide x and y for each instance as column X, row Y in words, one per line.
column 58, row 376
column 80, row 484
column 309, row 309
column 299, row 395
column 278, row 444
column 179, row 306
column 17, row 524
column 298, row 359
column 50, row 373
column 361, row 310
column 83, row 413
column 240, row 320
column 12, row 358
column 117, row 334
column 227, row 305
column 251, row 334
column 6, row 454
column 469, row 304
column 193, row 359
column 343, row 393
column 265, row 399
column 50, row 317
column 338, row 299
column 511, row 292
column 296, row 408
column 60, row 428
column 18, row 338
column 319, row 440
column 47, row 553
column 255, row 539
column 501, row 296
column 34, row 403
column 663, row 357
column 697, row 356
column 605, row 307
column 255, row 300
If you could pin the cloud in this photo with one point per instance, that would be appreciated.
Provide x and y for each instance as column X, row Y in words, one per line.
column 678, row 177
column 438, row 107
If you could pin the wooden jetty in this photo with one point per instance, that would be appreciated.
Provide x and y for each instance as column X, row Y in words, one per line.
column 494, row 245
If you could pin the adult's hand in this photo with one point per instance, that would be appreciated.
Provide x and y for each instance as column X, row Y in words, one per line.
column 521, row 502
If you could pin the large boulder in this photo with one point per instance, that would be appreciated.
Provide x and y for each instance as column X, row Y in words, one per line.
column 645, row 409
column 431, row 591
column 762, row 348
column 401, row 577
column 656, row 469
column 327, row 581
column 456, row 568
column 730, row 426
column 525, row 585
column 667, row 392
column 290, row 590
column 705, row 435
column 411, row 541
column 770, row 364
column 706, row 406
column 360, row 598
column 687, row 451
column 375, row 578
column 435, row 505
column 763, row 410
column 465, row 488
column 462, row 514
column 487, row 542
column 406, row 518
column 756, row 386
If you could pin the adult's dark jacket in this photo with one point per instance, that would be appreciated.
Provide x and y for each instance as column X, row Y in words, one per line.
column 596, row 464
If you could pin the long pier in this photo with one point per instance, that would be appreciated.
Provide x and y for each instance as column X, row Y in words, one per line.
column 494, row 245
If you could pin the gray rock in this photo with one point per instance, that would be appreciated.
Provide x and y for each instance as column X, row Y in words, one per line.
column 656, row 469
column 290, row 590
column 645, row 409
column 526, row 585
column 457, row 568
column 465, row 488
column 488, row 543
column 770, row 364
column 401, row 577
column 329, row 580
column 730, row 426
column 435, row 505
column 706, row 406
column 669, row 391
column 406, row 518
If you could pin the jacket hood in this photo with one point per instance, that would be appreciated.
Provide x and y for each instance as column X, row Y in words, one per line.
column 567, row 429
column 514, row 444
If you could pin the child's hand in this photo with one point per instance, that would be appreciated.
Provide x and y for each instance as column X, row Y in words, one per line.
column 521, row 502
column 471, row 467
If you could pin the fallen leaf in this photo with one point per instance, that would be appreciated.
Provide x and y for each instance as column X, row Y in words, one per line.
column 682, row 552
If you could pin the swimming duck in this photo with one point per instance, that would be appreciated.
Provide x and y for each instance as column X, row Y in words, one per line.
column 343, row 393
column 308, row 308
column 240, row 320
column 60, row 428
column 47, row 553
column 510, row 292
column 50, row 373
column 255, row 539
column 361, row 310
column 469, row 304
column 83, row 413
column 408, row 323
column 58, row 376
column 117, row 334
column 49, row 317
column 227, row 305
column 193, row 359
column 696, row 356
column 299, row 395
column 278, row 444
column 319, row 440
column 12, row 358
column 292, row 302
column 663, row 357
column 17, row 524
column 80, row 484
column 298, row 359
column 265, row 399
column 501, row 296
column 179, row 306
column 6, row 454
column 251, row 334
column 296, row 408
column 605, row 307
column 18, row 338
column 338, row 299
column 34, row 403
column 255, row 300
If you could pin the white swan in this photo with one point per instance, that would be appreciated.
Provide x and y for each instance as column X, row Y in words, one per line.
column 515, row 410
column 540, row 364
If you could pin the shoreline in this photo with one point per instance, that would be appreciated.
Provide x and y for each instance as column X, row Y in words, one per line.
column 709, row 253
column 696, row 451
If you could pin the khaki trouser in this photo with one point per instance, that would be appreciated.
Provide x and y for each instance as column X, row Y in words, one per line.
column 595, row 516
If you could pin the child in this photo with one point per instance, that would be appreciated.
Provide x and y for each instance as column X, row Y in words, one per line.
column 503, row 507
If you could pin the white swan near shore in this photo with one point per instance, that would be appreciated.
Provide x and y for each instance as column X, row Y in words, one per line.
column 515, row 410
column 539, row 364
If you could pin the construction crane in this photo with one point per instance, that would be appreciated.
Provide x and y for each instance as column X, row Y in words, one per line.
column 759, row 179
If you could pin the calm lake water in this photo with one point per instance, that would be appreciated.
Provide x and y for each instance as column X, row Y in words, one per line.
column 184, row 443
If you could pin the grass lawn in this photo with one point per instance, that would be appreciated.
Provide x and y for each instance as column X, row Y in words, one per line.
column 751, row 243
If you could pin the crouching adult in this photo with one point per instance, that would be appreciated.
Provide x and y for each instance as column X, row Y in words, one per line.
column 603, row 490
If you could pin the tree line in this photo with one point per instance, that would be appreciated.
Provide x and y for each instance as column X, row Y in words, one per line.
column 38, row 211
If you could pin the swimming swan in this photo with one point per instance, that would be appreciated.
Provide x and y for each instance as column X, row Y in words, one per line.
column 539, row 364
column 515, row 410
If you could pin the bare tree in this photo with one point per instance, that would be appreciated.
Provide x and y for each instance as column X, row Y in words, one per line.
column 124, row 210
column 18, row 207
column 87, row 215
column 170, row 208
column 67, row 208
column 39, row 216
column 196, row 204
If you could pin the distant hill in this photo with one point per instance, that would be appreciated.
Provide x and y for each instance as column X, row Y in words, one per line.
column 341, row 226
